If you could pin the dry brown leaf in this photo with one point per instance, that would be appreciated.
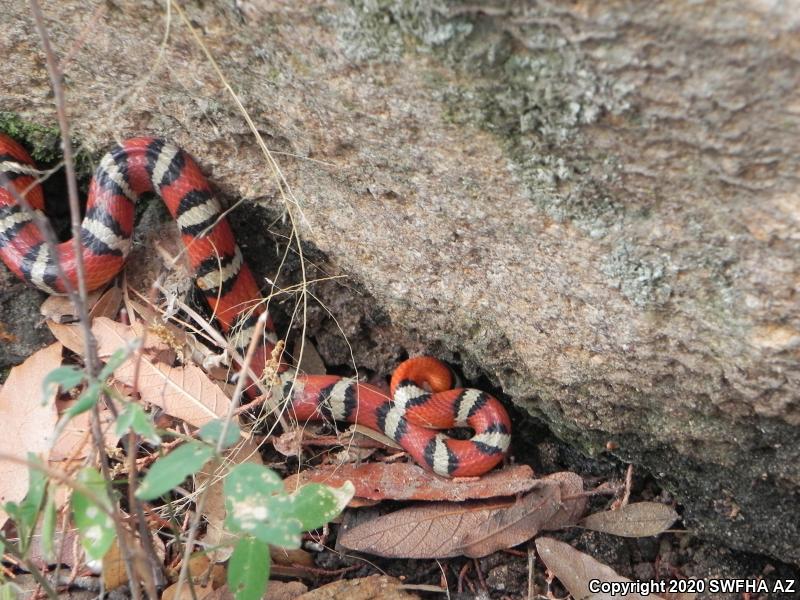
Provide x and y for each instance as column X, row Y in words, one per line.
column 516, row 524
column 285, row 590
column 75, row 441
column 277, row 590
column 349, row 455
column 407, row 481
column 375, row 587
column 291, row 556
column 575, row 570
column 108, row 304
column 347, row 435
column 183, row 392
column 71, row 336
column 114, row 573
column 423, row 531
column 573, row 500
column 641, row 519
column 202, row 571
column 289, row 443
column 186, row 593
column 67, row 541
column 60, row 309
column 60, row 317
column 27, row 424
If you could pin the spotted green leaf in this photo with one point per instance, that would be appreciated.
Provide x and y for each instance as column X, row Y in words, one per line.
column 248, row 569
column 133, row 417
column 257, row 504
column 315, row 504
column 212, row 431
column 170, row 470
column 94, row 524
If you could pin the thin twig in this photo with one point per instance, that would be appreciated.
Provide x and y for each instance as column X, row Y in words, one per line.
column 255, row 340
column 61, row 478
column 72, row 186
column 90, row 358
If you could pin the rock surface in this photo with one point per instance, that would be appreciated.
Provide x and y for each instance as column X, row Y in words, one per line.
column 596, row 205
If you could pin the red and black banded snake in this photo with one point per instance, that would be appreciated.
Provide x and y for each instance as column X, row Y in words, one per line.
column 422, row 401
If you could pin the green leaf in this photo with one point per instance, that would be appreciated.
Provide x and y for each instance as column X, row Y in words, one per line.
column 10, row 591
column 64, row 377
column 257, row 504
column 94, row 524
column 49, row 528
column 316, row 504
column 116, row 359
column 211, row 432
column 26, row 513
column 248, row 569
column 170, row 470
column 133, row 417
column 86, row 401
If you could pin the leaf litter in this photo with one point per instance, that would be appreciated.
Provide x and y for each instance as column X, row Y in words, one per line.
column 474, row 529
column 471, row 517
column 28, row 421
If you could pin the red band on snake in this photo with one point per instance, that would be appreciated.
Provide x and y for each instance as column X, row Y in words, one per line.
column 422, row 401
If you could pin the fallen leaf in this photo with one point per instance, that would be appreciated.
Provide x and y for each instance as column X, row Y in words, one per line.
column 27, row 423
column 289, row 443
column 68, row 541
column 516, row 524
column 71, row 336
column 423, row 531
column 114, row 573
column 573, row 500
column 201, row 568
column 286, row 590
column 75, row 441
column 407, row 481
column 575, row 570
column 377, row 587
column 371, row 434
column 277, row 590
column 200, row 592
column 291, row 556
column 108, row 304
column 349, row 455
column 184, row 392
column 641, row 519
column 60, row 309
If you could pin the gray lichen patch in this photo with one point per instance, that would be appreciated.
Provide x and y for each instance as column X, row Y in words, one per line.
column 383, row 30
column 642, row 277
column 524, row 82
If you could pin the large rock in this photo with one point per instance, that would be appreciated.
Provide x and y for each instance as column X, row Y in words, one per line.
column 595, row 204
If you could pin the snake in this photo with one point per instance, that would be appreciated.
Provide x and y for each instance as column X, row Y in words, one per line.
column 422, row 402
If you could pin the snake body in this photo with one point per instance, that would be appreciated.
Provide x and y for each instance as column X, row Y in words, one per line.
column 422, row 401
